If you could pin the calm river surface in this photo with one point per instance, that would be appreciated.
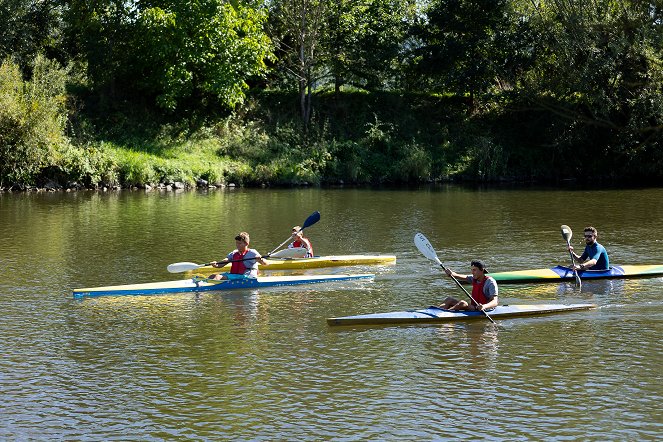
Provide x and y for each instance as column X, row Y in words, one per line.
column 264, row 365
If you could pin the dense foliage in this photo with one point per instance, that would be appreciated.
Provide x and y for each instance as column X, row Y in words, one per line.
column 116, row 92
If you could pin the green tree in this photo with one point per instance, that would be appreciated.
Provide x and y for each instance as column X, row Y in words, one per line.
column 200, row 51
column 598, row 69
column 364, row 42
column 175, row 54
column 32, row 119
column 461, row 44
column 30, row 27
column 297, row 27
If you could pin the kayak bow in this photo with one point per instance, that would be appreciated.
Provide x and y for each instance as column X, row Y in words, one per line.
column 197, row 284
column 437, row 315
column 562, row 273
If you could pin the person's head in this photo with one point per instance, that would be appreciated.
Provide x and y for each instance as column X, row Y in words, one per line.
column 591, row 234
column 478, row 268
column 242, row 240
column 297, row 231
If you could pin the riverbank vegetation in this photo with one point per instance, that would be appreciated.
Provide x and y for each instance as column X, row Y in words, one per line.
column 291, row 92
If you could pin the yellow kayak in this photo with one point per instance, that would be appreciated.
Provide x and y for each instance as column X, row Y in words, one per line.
column 312, row 263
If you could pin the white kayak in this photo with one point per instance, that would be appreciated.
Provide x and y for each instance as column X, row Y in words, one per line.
column 437, row 315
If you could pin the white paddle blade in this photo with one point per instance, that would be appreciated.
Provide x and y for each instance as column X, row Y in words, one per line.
column 180, row 267
column 425, row 247
column 566, row 232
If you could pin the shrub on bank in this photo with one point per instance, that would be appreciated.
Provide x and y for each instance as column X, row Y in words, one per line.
column 32, row 120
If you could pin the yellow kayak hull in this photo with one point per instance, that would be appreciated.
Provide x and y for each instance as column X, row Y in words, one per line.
column 316, row 262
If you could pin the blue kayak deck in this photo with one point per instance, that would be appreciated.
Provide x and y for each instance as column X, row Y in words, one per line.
column 205, row 285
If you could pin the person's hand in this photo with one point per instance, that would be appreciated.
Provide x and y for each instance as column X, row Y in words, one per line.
column 479, row 307
column 570, row 248
column 448, row 272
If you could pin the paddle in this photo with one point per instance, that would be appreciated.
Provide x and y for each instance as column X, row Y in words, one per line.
column 180, row 267
column 428, row 251
column 312, row 219
column 567, row 234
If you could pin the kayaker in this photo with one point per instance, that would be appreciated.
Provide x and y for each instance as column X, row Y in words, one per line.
column 595, row 256
column 301, row 241
column 244, row 260
column 484, row 289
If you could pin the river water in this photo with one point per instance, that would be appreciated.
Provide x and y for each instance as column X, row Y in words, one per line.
column 264, row 365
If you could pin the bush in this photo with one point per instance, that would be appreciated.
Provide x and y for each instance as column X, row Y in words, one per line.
column 32, row 119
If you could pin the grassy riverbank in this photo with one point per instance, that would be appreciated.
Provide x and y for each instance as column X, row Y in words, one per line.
column 353, row 138
column 368, row 139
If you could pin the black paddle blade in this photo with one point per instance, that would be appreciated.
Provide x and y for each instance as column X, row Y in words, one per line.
column 312, row 219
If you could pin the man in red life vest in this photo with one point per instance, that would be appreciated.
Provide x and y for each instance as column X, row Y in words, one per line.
column 244, row 260
column 484, row 290
column 301, row 241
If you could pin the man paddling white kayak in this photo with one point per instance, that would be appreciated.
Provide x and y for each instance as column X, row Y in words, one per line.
column 484, row 290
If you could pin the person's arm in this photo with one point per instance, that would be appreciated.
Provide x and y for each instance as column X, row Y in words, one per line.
column 591, row 262
column 454, row 274
column 574, row 254
column 219, row 264
column 487, row 306
column 491, row 287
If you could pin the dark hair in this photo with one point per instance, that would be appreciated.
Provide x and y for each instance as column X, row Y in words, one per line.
column 591, row 229
column 479, row 265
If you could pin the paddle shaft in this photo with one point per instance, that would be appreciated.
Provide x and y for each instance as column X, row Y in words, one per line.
column 575, row 272
column 566, row 234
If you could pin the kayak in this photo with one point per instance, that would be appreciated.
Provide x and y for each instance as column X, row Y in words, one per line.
column 197, row 284
column 437, row 315
column 561, row 273
column 313, row 263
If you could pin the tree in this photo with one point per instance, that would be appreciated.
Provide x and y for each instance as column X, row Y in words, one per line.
column 173, row 53
column 296, row 27
column 200, row 50
column 461, row 49
column 598, row 66
column 364, row 43
column 30, row 27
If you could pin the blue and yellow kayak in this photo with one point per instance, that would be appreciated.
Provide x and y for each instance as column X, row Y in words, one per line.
column 562, row 273
column 311, row 263
column 197, row 284
column 433, row 315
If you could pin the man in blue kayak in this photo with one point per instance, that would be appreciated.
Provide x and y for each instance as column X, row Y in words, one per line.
column 484, row 290
column 595, row 257
column 244, row 260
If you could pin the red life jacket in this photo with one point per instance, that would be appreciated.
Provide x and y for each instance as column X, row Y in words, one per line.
column 305, row 243
column 238, row 267
column 477, row 291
